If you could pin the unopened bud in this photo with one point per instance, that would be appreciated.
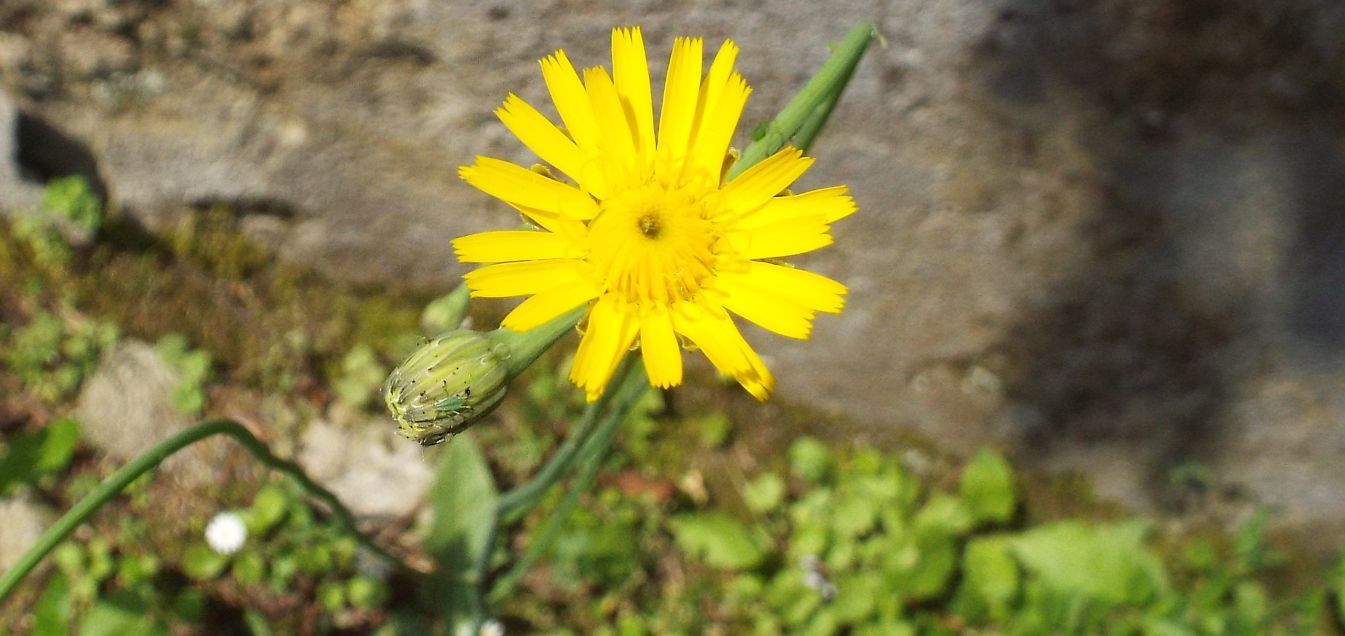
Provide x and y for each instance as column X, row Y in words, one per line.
column 447, row 384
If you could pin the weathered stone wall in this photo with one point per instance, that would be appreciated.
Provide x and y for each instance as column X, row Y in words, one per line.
column 1105, row 233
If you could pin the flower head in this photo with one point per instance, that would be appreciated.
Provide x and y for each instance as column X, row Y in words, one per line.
column 447, row 384
column 226, row 533
column 647, row 230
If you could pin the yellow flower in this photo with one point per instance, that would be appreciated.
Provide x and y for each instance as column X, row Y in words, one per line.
column 650, row 234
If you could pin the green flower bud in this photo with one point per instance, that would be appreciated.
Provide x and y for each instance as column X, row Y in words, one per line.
column 447, row 384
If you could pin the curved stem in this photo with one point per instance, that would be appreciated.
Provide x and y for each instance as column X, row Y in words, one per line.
column 117, row 481
column 517, row 502
column 627, row 393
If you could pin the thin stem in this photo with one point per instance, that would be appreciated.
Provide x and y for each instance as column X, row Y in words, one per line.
column 117, row 481
column 526, row 347
column 517, row 502
column 824, row 86
column 808, row 131
column 627, row 395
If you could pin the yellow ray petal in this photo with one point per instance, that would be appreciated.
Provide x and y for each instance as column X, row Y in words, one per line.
column 572, row 230
column 812, row 291
column 541, row 136
column 832, row 203
column 523, row 279
column 631, row 68
column 795, row 236
column 615, row 135
column 758, row 184
column 680, row 95
column 658, row 346
column 571, row 101
column 542, row 307
column 610, row 332
column 723, row 95
column 716, row 335
column 521, row 186
column 511, row 245
column 767, row 308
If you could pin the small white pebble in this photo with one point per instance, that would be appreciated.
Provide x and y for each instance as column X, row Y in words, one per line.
column 226, row 533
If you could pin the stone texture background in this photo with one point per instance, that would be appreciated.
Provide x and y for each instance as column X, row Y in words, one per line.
column 1108, row 234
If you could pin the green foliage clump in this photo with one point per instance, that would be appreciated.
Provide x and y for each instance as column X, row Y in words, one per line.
column 189, row 396
column 289, row 550
column 53, row 353
column 853, row 543
column 68, row 204
column 360, row 375
column 29, row 458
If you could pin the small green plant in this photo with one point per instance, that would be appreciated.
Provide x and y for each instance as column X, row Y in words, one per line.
column 189, row 396
column 26, row 459
column 68, row 204
column 289, row 551
column 72, row 199
column 359, row 377
column 54, row 352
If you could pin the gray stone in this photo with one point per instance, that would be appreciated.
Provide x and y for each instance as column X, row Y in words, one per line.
column 123, row 409
column 24, row 522
column 370, row 469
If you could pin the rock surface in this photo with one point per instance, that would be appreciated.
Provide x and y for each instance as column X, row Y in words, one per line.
column 24, row 522
column 1104, row 233
column 123, row 409
column 371, row 471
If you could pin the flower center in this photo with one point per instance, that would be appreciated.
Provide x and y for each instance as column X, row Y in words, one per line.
column 653, row 244
column 650, row 225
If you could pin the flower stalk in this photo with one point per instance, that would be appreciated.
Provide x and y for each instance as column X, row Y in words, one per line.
column 805, row 115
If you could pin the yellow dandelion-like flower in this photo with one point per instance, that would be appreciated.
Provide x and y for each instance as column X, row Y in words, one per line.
column 650, row 233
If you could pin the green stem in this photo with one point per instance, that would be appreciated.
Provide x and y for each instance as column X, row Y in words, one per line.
column 526, row 347
column 517, row 502
column 117, row 481
column 826, row 85
column 631, row 388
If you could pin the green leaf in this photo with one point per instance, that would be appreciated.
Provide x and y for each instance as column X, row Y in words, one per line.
column 943, row 516
column 719, row 539
column 856, row 596
column 810, row 459
column 117, row 614
column 990, row 575
column 853, row 515
column 51, row 615
column 987, row 488
column 1108, row 563
column 366, row 593
column 268, row 508
column 714, row 429
column 249, row 568
column 765, row 493
column 361, row 374
column 72, row 198
column 40, row 453
column 462, row 505
column 201, row 563
column 934, row 568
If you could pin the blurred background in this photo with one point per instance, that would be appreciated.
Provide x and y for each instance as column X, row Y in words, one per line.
column 1106, row 237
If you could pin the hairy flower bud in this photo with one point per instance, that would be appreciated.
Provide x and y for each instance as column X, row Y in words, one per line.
column 447, row 384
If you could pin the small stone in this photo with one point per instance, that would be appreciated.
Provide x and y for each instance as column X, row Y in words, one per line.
column 370, row 469
column 24, row 522
column 124, row 409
